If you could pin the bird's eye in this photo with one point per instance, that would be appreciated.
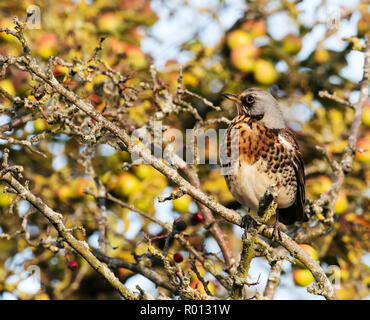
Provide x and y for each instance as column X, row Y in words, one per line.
column 248, row 100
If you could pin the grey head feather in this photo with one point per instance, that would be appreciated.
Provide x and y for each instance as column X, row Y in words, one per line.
column 263, row 106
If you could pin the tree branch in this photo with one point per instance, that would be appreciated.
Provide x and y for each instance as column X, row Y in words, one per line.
column 81, row 247
column 26, row 62
column 345, row 165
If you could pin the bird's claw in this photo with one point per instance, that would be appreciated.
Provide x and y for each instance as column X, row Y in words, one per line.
column 276, row 234
column 248, row 222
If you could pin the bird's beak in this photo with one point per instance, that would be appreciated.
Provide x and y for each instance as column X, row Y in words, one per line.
column 232, row 97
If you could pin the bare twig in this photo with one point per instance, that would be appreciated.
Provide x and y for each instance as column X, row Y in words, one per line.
column 115, row 263
column 273, row 280
column 334, row 97
column 204, row 282
column 81, row 247
column 210, row 220
column 345, row 165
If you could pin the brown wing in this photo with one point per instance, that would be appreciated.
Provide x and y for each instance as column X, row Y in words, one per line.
column 296, row 211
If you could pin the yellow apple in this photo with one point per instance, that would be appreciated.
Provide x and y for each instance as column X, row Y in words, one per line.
column 237, row 38
column 344, row 273
column 336, row 121
column 182, row 204
column 310, row 250
column 60, row 72
column 79, row 185
column 244, row 56
column 264, row 72
column 63, row 193
column 292, row 43
column 123, row 273
column 143, row 171
column 366, row 114
column 126, row 184
column 109, row 22
column 8, row 86
column 22, row 82
column 256, row 28
column 302, row 277
column 144, row 204
column 141, row 248
column 198, row 71
column 324, row 183
column 47, row 45
column 135, row 57
column 337, row 146
column 344, row 293
column 5, row 199
column 40, row 125
column 124, row 156
column 363, row 143
column 41, row 296
column 197, row 285
column 259, row 28
column 318, row 185
column 341, row 204
column 321, row 55
column 190, row 80
column 7, row 23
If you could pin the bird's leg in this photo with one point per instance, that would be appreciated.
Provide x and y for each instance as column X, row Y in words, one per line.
column 267, row 208
column 248, row 221
column 276, row 235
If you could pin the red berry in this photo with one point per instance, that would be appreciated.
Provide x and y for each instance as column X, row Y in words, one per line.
column 72, row 265
column 197, row 217
column 178, row 257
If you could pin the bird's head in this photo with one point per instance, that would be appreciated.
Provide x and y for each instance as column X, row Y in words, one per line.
column 259, row 104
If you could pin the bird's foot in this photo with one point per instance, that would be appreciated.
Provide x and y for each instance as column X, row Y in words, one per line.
column 248, row 222
column 276, row 234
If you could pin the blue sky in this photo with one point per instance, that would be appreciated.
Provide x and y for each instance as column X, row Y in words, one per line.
column 172, row 30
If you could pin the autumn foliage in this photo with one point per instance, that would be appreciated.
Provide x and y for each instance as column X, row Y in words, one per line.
column 102, row 62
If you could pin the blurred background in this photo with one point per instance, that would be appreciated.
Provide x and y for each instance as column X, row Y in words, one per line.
column 294, row 49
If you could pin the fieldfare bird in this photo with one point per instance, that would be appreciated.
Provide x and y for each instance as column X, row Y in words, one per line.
column 269, row 156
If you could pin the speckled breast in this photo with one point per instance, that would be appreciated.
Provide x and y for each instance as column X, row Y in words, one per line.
column 263, row 162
